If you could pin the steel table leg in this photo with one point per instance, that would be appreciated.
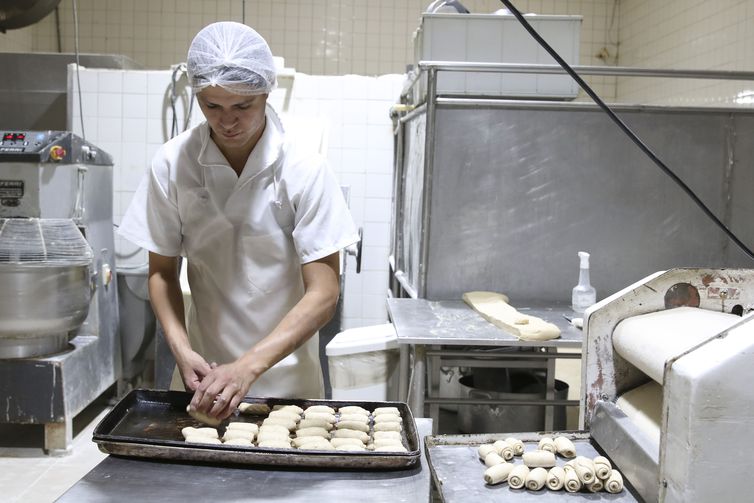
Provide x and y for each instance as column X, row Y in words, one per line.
column 404, row 370
column 418, row 382
column 550, row 390
column 58, row 437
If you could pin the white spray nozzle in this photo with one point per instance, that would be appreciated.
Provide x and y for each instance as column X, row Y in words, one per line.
column 584, row 256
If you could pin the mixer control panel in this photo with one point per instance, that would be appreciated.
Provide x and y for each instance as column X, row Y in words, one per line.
column 57, row 147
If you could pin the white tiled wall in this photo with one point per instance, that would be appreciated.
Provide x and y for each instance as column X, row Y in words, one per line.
column 319, row 37
column 126, row 113
column 692, row 35
column 20, row 40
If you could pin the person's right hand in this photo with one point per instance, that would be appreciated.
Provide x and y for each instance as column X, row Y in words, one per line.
column 193, row 368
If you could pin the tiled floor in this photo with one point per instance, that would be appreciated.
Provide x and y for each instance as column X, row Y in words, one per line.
column 28, row 475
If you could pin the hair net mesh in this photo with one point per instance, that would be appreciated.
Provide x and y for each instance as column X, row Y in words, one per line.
column 232, row 56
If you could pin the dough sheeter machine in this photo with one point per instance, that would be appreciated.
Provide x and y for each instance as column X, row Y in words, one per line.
column 667, row 364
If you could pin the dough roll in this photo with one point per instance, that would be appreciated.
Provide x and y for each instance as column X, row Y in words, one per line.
column 380, row 435
column 355, row 417
column 547, row 444
column 595, row 486
column 285, row 414
column 202, row 439
column 535, row 459
column 493, row 459
column 518, row 445
column 320, row 408
column 504, row 449
column 353, row 409
column 614, row 484
column 364, row 437
column 202, row 417
column 315, row 423
column 293, row 408
column 498, row 473
column 252, row 427
column 352, row 425
column 253, row 408
column 338, row 442
column 387, row 418
column 389, row 441
column 313, row 432
column 483, row 449
column 584, row 468
column 556, row 478
column 388, row 427
column 386, row 410
column 565, row 447
column 517, row 476
column 330, row 418
column 536, row 479
column 602, row 467
column 572, row 483
column 285, row 422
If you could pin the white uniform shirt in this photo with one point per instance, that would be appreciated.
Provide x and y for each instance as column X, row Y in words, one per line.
column 245, row 238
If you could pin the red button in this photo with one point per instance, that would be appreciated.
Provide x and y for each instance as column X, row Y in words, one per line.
column 57, row 153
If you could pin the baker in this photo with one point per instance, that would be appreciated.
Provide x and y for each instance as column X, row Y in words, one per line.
column 260, row 223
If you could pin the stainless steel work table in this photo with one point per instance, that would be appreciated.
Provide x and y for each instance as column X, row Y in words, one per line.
column 450, row 333
column 118, row 479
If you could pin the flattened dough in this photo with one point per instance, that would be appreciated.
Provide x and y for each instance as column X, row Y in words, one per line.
column 202, row 417
column 494, row 308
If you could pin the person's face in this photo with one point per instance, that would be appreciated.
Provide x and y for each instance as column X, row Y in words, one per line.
column 237, row 121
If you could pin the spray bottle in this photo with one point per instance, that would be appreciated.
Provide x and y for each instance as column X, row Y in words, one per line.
column 583, row 295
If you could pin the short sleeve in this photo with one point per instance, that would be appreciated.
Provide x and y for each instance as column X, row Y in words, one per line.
column 323, row 224
column 152, row 220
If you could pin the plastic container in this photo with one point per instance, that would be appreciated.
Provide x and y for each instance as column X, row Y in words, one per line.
column 363, row 363
column 583, row 294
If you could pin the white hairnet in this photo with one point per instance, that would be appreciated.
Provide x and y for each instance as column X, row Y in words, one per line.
column 232, row 56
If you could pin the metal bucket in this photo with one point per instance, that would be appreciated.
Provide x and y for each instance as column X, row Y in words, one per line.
column 40, row 306
column 511, row 385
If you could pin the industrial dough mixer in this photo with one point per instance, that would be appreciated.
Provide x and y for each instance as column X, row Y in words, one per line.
column 58, row 303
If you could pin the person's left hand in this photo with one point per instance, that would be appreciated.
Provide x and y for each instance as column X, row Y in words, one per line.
column 221, row 390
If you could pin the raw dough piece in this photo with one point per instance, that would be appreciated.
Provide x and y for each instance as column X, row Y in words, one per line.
column 306, row 442
column 275, row 444
column 313, row 432
column 595, row 486
column 391, row 448
column 547, row 444
column 286, row 414
column 351, row 434
column 505, row 449
column 253, row 408
column 352, row 425
column 602, row 467
column 315, row 423
column 272, row 435
column 493, row 459
column 494, row 308
column 273, row 428
column 614, row 484
column 555, row 478
column 565, row 447
column 380, row 435
column 330, row 418
column 287, row 423
column 483, row 450
column 536, row 479
column 386, row 410
column 320, row 408
column 202, row 417
column 498, row 473
column 353, row 409
column 201, row 439
column 386, row 441
column 387, row 418
column 239, row 441
column 350, row 447
column 355, row 417
column 518, row 446
column 572, row 482
column 584, row 468
column 292, row 408
column 534, row 459
column 388, row 427
column 517, row 476
column 252, row 427
column 337, row 442
column 236, row 433
column 189, row 431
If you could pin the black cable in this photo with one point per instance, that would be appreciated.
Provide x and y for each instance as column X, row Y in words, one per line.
column 588, row 90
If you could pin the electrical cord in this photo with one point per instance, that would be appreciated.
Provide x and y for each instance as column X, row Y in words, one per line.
column 623, row 127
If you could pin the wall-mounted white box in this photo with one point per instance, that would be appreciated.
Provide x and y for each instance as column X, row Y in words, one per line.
column 495, row 38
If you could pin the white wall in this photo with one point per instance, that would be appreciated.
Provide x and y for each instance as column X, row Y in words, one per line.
column 687, row 34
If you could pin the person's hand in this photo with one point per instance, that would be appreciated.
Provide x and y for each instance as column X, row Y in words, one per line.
column 193, row 369
column 222, row 389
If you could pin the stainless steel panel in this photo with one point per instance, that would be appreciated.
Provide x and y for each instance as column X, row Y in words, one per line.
column 517, row 191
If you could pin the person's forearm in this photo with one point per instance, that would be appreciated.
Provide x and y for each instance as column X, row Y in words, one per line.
column 309, row 315
column 167, row 302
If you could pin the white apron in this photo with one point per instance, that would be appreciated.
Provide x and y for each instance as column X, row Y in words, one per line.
column 243, row 269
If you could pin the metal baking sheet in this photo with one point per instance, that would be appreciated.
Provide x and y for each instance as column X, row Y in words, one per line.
column 458, row 472
column 148, row 423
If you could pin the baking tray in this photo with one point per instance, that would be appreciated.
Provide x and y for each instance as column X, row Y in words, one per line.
column 458, row 472
column 147, row 424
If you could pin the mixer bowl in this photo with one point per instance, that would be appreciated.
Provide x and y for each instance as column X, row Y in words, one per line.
column 39, row 306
